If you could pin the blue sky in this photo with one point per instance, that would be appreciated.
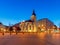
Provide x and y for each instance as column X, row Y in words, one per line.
column 14, row 11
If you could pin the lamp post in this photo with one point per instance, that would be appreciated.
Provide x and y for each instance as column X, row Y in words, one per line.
column 2, row 31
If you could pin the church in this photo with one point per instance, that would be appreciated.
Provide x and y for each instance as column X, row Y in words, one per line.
column 34, row 25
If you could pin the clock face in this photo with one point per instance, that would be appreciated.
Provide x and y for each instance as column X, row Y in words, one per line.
column 32, row 16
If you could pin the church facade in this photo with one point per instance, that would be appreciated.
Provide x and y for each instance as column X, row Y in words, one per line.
column 33, row 25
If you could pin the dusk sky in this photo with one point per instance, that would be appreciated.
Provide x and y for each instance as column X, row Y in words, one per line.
column 14, row 11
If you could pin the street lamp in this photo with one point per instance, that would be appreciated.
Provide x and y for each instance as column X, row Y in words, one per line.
column 2, row 31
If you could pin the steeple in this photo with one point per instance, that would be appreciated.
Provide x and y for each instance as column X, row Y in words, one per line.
column 34, row 13
column 33, row 17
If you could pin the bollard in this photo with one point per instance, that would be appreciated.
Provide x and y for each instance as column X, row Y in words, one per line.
column 10, row 33
column 16, row 33
column 3, row 33
column 23, row 32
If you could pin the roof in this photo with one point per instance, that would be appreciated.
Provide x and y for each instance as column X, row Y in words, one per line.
column 28, row 21
column 45, row 19
column 16, row 25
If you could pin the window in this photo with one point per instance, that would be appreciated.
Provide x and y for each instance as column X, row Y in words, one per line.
column 30, row 27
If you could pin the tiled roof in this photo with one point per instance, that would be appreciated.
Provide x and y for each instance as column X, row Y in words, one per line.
column 28, row 21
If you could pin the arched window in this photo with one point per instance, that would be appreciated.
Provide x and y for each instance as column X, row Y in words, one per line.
column 23, row 27
column 30, row 27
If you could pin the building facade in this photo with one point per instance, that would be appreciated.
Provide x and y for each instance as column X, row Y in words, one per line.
column 33, row 25
column 46, row 25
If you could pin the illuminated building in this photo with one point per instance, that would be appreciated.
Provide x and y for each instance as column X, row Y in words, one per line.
column 33, row 25
column 2, row 27
column 46, row 25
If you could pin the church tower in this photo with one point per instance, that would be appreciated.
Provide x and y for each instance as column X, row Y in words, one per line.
column 33, row 17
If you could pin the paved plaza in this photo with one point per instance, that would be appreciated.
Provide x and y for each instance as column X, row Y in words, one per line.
column 30, row 39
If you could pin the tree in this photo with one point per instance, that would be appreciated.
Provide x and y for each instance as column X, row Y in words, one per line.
column 17, row 29
column 10, row 29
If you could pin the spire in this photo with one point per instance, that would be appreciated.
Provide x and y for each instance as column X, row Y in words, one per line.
column 34, row 13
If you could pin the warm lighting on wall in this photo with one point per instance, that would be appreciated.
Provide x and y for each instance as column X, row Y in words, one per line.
column 42, row 29
column 42, row 25
column 14, row 31
column 45, row 31
column 39, row 26
column 34, row 30
column 26, row 31
column 29, row 31
column 4, row 30
column 48, row 29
